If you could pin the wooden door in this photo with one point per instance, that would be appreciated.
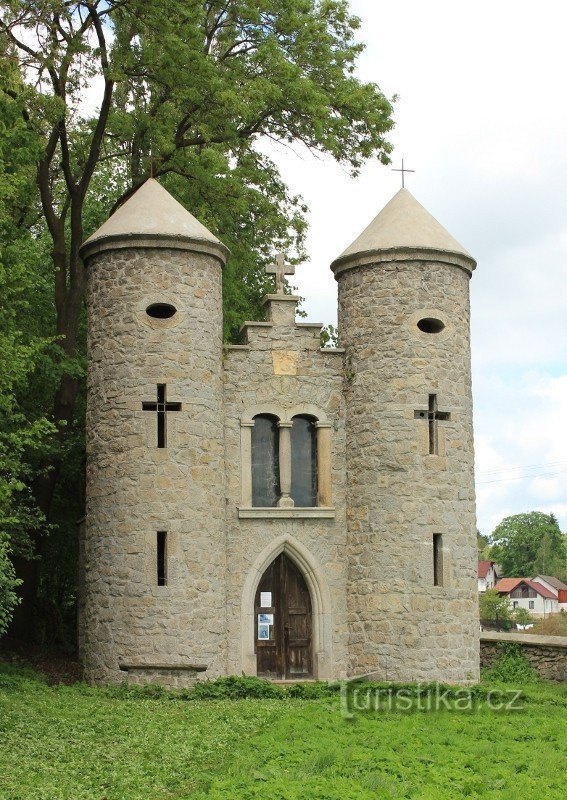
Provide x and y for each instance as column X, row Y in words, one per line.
column 283, row 622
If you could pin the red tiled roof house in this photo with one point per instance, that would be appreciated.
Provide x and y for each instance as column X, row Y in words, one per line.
column 531, row 595
column 487, row 575
column 556, row 586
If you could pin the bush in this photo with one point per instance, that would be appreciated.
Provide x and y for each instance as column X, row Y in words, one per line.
column 522, row 616
column 238, row 687
column 495, row 607
column 233, row 688
column 555, row 625
column 8, row 583
column 511, row 666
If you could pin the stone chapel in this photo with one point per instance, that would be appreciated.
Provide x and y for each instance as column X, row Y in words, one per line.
column 273, row 508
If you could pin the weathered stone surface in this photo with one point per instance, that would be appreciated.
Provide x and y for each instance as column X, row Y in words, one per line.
column 365, row 552
column 398, row 495
column 135, row 489
column 547, row 654
column 250, row 385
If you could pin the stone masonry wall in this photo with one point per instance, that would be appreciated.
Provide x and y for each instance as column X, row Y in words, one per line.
column 366, row 554
column 135, row 489
column 282, row 370
column 547, row 654
column 401, row 626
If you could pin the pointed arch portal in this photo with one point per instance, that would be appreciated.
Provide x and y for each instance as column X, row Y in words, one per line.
column 304, row 605
column 283, row 635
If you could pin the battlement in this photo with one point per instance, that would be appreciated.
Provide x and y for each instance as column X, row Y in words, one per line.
column 281, row 345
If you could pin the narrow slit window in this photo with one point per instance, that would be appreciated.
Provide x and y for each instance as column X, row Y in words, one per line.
column 304, row 461
column 265, row 461
column 433, row 437
column 161, row 416
column 162, row 558
column 437, row 559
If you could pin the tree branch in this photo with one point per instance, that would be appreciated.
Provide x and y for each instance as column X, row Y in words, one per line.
column 20, row 45
column 100, row 127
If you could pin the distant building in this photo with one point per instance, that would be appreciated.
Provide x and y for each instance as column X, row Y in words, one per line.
column 556, row 586
column 487, row 575
column 531, row 595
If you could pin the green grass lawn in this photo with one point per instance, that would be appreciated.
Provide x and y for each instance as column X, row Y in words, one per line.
column 78, row 743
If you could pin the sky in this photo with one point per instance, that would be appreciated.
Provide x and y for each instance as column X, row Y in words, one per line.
column 482, row 119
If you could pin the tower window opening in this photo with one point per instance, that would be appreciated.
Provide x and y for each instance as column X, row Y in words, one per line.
column 430, row 325
column 265, row 461
column 162, row 407
column 161, row 310
column 433, row 417
column 304, row 461
column 437, row 559
column 162, row 558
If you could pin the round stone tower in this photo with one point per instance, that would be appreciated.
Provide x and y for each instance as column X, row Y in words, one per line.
column 154, row 549
column 404, row 321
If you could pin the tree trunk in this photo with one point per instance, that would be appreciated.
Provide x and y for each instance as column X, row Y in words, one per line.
column 68, row 304
column 22, row 625
column 63, row 410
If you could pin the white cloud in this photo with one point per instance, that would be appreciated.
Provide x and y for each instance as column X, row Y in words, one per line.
column 481, row 120
column 521, row 447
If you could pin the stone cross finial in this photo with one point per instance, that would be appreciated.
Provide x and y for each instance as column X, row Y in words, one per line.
column 280, row 269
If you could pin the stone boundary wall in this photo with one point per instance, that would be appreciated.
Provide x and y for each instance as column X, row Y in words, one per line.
column 547, row 654
column 173, row 676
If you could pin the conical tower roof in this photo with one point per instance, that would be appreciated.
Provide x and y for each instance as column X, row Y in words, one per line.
column 152, row 217
column 403, row 225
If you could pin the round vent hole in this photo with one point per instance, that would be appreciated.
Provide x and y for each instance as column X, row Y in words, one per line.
column 161, row 310
column 430, row 325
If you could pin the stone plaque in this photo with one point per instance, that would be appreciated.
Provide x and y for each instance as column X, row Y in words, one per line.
column 285, row 362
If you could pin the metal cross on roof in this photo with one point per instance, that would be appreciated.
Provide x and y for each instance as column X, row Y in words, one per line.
column 280, row 269
column 403, row 171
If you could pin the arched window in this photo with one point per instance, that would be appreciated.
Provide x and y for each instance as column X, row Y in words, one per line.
column 304, row 461
column 265, row 461
column 285, row 465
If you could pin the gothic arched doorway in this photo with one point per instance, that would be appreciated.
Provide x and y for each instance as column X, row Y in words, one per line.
column 283, row 640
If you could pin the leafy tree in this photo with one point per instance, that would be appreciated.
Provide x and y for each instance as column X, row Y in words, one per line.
column 24, row 430
column 190, row 90
column 493, row 606
column 525, row 544
column 8, row 584
column 104, row 93
column 551, row 555
column 329, row 336
column 483, row 547
column 522, row 616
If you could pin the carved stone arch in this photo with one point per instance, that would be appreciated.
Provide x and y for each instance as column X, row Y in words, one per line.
column 309, row 410
column 320, row 601
column 284, row 413
column 273, row 409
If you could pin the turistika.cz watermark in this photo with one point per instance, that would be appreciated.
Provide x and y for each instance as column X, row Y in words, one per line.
column 360, row 698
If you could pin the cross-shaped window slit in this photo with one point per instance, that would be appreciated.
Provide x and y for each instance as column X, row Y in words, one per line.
column 161, row 407
column 433, row 416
